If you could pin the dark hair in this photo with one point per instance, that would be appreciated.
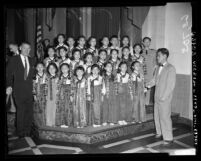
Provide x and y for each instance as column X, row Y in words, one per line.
column 101, row 50
column 164, row 51
column 114, row 50
column 148, row 38
column 125, row 36
column 81, row 36
column 71, row 37
column 64, row 64
column 61, row 47
column 95, row 66
column 137, row 44
column 73, row 52
column 129, row 56
column 51, row 47
column 113, row 36
column 104, row 71
column 89, row 39
column 78, row 68
column 40, row 62
column 61, row 35
column 101, row 44
column 54, row 65
column 119, row 70
column 132, row 65
column 85, row 56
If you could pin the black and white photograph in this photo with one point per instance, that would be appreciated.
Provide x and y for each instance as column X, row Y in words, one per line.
column 99, row 80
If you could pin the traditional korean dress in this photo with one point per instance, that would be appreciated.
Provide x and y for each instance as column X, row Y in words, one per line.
column 70, row 52
column 87, row 68
column 101, row 66
column 94, row 52
column 115, row 65
column 110, row 106
column 82, row 49
column 64, row 109
column 140, row 59
column 128, row 62
column 108, row 51
column 39, row 108
column 52, row 100
column 138, row 111
column 60, row 45
column 79, row 102
column 125, row 97
column 74, row 64
column 61, row 61
column 49, row 60
column 96, row 91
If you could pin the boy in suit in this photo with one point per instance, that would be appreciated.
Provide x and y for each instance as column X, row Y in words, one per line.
column 19, row 76
column 164, row 81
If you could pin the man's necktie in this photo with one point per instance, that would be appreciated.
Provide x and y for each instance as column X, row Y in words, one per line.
column 25, row 69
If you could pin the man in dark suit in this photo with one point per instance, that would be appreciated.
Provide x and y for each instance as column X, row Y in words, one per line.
column 19, row 74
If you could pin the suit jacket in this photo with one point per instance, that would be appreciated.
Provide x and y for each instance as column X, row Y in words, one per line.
column 15, row 77
column 164, row 82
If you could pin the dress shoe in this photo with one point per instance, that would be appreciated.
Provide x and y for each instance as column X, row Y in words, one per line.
column 158, row 136
column 167, row 142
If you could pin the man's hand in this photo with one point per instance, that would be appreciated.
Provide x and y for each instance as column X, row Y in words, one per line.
column 9, row 90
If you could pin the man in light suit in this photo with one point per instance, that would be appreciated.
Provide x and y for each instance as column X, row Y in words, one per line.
column 164, row 81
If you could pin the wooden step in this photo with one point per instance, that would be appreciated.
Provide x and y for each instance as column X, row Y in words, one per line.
column 90, row 135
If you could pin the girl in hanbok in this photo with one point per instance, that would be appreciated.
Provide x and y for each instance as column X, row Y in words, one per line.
column 65, row 97
column 114, row 60
column 115, row 44
column 76, row 60
column 96, row 91
column 81, row 45
column 125, row 96
column 52, row 94
column 92, row 48
column 126, row 57
column 102, row 60
column 51, row 56
column 70, row 42
column 60, row 42
column 137, row 79
column 79, row 99
column 88, row 62
column 105, row 45
column 110, row 102
column 39, row 92
column 125, row 41
column 138, row 55
column 63, row 58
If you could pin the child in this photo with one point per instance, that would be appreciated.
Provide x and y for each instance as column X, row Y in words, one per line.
column 105, row 46
column 96, row 90
column 51, row 56
column 52, row 90
column 64, row 110
column 115, row 44
column 76, row 60
column 114, row 60
column 125, row 96
column 80, row 97
column 137, row 79
column 102, row 60
column 125, row 41
column 63, row 59
column 126, row 57
column 60, row 42
column 88, row 62
column 92, row 48
column 110, row 105
column 81, row 45
column 39, row 109
column 70, row 42
column 138, row 55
